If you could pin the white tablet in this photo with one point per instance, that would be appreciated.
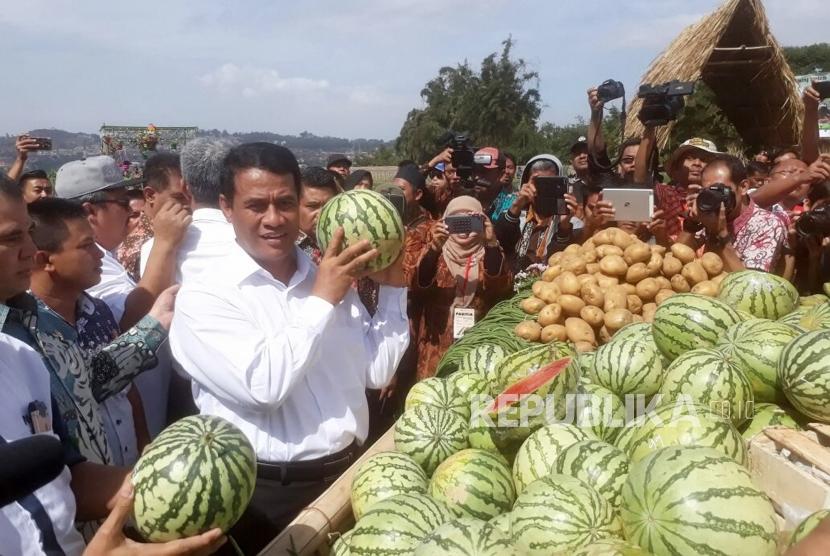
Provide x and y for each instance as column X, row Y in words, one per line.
column 631, row 205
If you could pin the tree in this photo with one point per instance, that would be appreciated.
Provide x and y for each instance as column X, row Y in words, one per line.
column 805, row 59
column 701, row 117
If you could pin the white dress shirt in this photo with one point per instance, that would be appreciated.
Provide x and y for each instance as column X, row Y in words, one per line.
column 24, row 379
column 208, row 237
column 288, row 368
column 154, row 384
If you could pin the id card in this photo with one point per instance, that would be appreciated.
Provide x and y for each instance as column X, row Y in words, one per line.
column 462, row 319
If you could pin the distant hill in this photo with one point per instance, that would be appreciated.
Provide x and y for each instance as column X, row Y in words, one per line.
column 309, row 149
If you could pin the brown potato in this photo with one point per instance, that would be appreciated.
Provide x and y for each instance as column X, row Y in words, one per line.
column 648, row 312
column 637, row 318
column 637, row 252
column 572, row 249
column 707, row 288
column 683, row 252
column 567, row 283
column 604, row 334
column 623, row 239
column 655, row 264
column 590, row 255
column 615, row 298
column 571, row 304
column 555, row 258
column 586, row 279
column 647, row 289
column 592, row 315
column 574, row 263
column 629, row 289
column 606, row 282
column 719, row 278
column 531, row 305
column 663, row 282
column 613, row 265
column 617, row 318
column 605, row 250
column 712, row 263
column 592, row 294
column 550, row 314
column 634, row 304
column 550, row 293
column 671, row 265
column 551, row 272
column 537, row 287
column 694, row 273
column 663, row 295
column 584, row 347
column 592, row 268
column 554, row 332
column 529, row 330
column 603, row 237
column 580, row 331
column 588, row 245
column 636, row 272
column 680, row 284
column 659, row 249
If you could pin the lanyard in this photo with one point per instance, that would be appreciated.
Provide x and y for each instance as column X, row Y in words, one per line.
column 470, row 261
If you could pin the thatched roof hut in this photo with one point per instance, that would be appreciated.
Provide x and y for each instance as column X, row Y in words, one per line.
column 735, row 54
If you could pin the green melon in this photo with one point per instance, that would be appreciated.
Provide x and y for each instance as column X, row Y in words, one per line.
column 599, row 464
column 638, row 330
column 383, row 475
column 694, row 500
column 806, row 527
column 440, row 393
column 525, row 362
column 341, row 545
column 599, row 410
column 611, row 547
column 806, row 319
column 561, row 513
column 538, row 453
column 467, row 537
column 474, row 483
column 688, row 321
column 631, row 365
column 469, row 384
column 198, row 474
column 768, row 415
column 484, row 359
column 759, row 293
column 804, row 371
column 430, row 435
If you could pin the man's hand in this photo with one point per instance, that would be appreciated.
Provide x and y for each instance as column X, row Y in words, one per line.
column 657, row 227
column 565, row 224
column 109, row 540
column 526, row 196
column 171, row 222
column 440, row 233
column 598, row 215
column 24, row 145
column 393, row 275
column 164, row 306
column 714, row 222
column 691, row 203
column 819, row 170
column 444, row 156
column 811, row 98
column 340, row 267
column 593, row 100
column 389, row 390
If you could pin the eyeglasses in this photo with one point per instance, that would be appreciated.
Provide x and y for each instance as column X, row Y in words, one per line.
column 123, row 203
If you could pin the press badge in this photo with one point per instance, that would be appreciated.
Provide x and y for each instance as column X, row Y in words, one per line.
column 462, row 319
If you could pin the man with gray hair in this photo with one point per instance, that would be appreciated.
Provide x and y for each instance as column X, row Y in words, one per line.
column 209, row 235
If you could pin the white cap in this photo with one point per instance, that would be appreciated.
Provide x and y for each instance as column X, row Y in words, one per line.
column 96, row 173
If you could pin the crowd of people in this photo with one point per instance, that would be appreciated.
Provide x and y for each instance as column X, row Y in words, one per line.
column 128, row 303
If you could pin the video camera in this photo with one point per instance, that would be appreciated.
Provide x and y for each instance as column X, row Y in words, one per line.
column 814, row 223
column 468, row 165
column 663, row 103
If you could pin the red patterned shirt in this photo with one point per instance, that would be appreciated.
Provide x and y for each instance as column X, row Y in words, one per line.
column 760, row 237
column 671, row 199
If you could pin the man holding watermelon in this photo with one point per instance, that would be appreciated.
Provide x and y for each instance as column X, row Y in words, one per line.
column 283, row 349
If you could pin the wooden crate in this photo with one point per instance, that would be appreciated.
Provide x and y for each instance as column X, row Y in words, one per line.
column 793, row 469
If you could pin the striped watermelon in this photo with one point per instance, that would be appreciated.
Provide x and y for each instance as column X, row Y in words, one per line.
column 759, row 293
column 439, row 393
column 611, row 547
column 538, row 453
column 599, row 464
column 363, row 214
column 804, row 370
column 599, row 410
column 483, row 359
column 806, row 527
column 501, row 522
column 631, row 365
column 693, row 500
column 682, row 425
column 341, row 545
column 809, row 318
column 383, row 475
column 430, row 435
column 755, row 346
column 769, row 415
column 687, row 321
column 640, row 330
column 585, row 360
column 467, row 537
column 468, row 384
column 707, row 377
column 198, row 474
column 474, row 483
column 517, row 366
column 398, row 525
column 558, row 513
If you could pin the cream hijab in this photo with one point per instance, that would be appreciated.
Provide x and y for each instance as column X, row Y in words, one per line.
column 463, row 254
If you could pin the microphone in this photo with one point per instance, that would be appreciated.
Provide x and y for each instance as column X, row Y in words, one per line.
column 28, row 464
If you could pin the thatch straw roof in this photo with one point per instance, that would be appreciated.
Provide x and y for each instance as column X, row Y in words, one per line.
column 734, row 52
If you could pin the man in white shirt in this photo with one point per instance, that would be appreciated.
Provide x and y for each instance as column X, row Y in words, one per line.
column 98, row 184
column 209, row 235
column 281, row 348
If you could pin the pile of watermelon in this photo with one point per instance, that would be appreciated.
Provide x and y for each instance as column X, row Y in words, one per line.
column 593, row 473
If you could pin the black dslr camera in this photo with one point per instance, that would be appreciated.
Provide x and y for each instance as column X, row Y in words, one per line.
column 610, row 90
column 463, row 156
column 814, row 223
column 663, row 103
column 709, row 200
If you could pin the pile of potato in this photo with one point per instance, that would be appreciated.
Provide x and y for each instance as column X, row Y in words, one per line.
column 590, row 291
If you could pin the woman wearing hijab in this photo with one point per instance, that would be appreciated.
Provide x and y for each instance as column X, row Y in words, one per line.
column 461, row 276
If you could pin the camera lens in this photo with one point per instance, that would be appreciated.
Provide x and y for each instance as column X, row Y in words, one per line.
column 709, row 200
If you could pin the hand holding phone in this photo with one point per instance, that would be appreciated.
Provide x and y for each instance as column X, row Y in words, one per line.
column 550, row 195
column 464, row 223
column 822, row 88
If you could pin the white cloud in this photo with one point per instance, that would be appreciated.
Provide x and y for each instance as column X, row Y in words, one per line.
column 252, row 81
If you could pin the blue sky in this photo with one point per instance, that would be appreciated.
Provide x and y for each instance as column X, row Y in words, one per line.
column 345, row 68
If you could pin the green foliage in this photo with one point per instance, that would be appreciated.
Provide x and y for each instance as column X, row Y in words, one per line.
column 703, row 118
column 805, row 59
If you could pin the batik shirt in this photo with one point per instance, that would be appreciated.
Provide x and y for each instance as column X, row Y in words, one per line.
column 308, row 246
column 671, row 199
column 129, row 252
column 79, row 380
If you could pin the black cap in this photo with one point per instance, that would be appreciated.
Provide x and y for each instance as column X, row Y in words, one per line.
column 337, row 157
column 413, row 175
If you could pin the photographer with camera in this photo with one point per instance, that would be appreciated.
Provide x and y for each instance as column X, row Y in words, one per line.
column 532, row 229
column 724, row 218
column 810, row 234
column 788, row 184
column 462, row 273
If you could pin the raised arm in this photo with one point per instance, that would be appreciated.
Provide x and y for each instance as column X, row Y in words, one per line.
column 809, row 129
column 642, row 162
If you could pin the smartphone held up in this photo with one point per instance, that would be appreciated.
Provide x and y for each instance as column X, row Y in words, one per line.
column 464, row 223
